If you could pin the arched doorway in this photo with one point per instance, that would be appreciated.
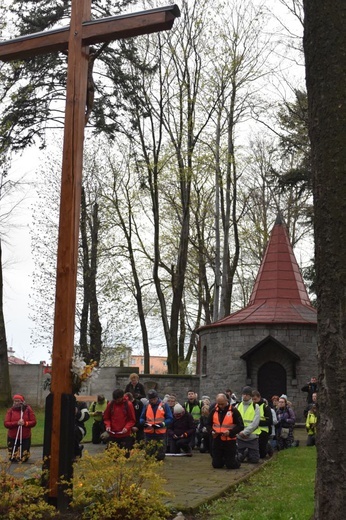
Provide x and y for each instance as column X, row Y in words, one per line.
column 272, row 380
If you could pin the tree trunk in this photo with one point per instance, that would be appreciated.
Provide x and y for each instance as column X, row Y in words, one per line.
column 90, row 350
column 127, row 231
column 95, row 327
column 230, row 200
column 218, row 178
column 325, row 52
column 5, row 386
column 83, row 331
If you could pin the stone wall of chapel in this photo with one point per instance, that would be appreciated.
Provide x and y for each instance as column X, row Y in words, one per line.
column 226, row 345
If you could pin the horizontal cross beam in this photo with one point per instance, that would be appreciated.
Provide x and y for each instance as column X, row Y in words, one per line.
column 93, row 31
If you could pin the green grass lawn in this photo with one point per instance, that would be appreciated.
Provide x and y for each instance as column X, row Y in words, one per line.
column 282, row 490
column 37, row 432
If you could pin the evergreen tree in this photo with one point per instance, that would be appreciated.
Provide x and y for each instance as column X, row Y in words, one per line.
column 35, row 88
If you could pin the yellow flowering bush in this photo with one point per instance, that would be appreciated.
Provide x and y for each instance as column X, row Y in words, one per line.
column 113, row 486
column 23, row 498
column 108, row 486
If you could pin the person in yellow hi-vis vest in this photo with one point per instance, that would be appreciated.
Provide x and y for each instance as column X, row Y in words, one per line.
column 247, row 439
column 266, row 421
column 311, row 423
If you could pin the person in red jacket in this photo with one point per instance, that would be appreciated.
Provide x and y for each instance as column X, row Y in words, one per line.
column 19, row 420
column 119, row 418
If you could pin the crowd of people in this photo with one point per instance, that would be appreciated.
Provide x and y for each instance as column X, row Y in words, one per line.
column 231, row 430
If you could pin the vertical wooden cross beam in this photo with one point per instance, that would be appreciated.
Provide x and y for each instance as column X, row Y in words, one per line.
column 76, row 39
column 66, row 276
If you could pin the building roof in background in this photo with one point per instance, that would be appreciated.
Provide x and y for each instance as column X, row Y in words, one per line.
column 13, row 360
column 279, row 294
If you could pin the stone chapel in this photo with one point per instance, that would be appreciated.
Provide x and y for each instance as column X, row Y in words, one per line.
column 271, row 343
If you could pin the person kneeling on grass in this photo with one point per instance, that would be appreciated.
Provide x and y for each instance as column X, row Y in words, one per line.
column 19, row 420
column 224, row 422
column 181, row 431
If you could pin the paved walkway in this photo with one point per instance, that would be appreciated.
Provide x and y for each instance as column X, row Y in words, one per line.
column 191, row 480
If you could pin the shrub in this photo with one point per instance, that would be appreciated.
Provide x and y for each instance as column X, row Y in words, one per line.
column 115, row 486
column 21, row 498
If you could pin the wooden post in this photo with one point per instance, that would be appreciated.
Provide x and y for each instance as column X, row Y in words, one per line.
column 65, row 298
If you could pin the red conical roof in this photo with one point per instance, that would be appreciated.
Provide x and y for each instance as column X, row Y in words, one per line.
column 279, row 294
column 279, row 277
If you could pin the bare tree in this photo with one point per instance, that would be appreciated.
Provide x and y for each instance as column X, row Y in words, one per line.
column 240, row 64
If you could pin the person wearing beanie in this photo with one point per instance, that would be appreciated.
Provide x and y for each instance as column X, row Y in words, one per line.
column 181, row 431
column 19, row 420
column 285, row 424
column 248, row 438
column 156, row 417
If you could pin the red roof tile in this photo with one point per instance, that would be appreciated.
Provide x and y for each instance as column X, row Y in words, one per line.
column 13, row 360
column 279, row 294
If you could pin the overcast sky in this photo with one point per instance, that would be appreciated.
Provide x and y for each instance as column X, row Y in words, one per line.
column 18, row 264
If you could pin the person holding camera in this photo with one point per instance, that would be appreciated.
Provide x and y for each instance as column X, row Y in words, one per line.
column 311, row 388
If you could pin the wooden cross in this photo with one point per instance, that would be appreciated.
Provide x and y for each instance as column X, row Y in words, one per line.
column 76, row 39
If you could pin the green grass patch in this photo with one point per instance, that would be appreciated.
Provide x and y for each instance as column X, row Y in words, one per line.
column 37, row 432
column 283, row 489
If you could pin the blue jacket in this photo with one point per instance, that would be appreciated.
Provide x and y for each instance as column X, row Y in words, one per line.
column 168, row 413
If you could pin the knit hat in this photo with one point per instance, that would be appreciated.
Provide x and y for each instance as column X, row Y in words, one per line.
column 152, row 393
column 247, row 390
column 19, row 397
column 178, row 409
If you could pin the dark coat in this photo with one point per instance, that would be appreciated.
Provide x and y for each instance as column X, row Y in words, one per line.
column 183, row 425
column 310, row 388
column 238, row 424
column 137, row 391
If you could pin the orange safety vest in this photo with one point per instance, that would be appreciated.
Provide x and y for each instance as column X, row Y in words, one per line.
column 158, row 418
column 225, row 426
